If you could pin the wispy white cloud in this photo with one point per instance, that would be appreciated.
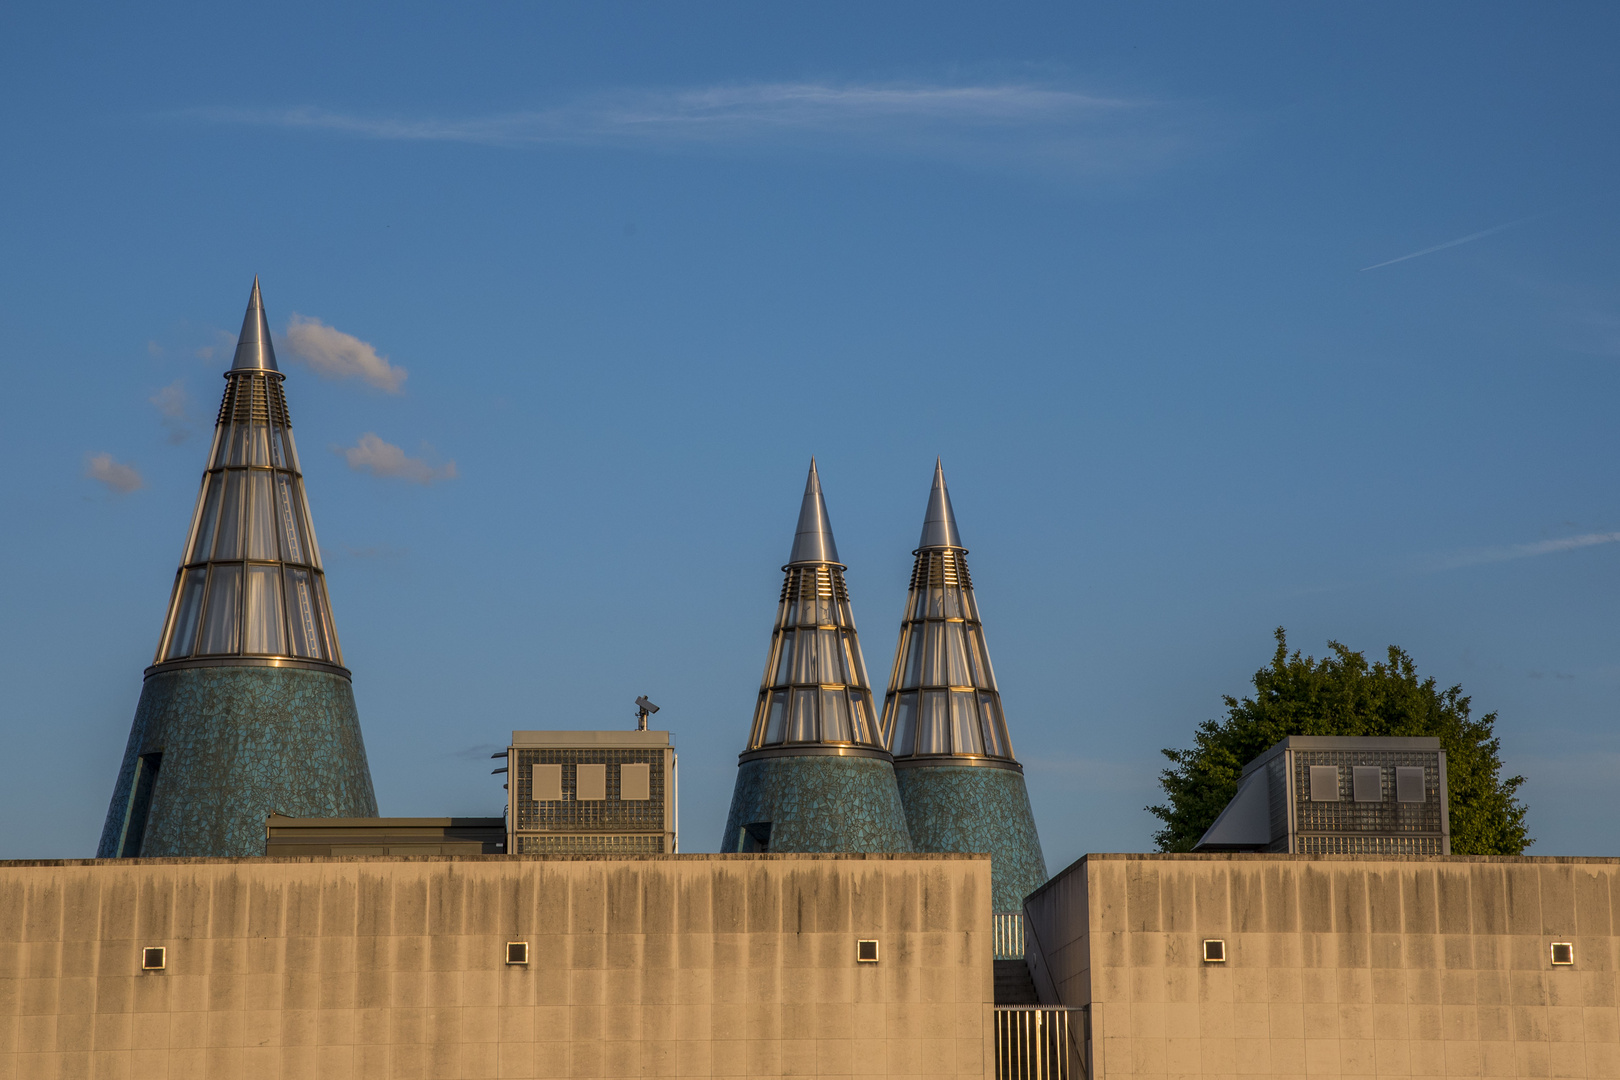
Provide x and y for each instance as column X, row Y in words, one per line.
column 372, row 455
column 1479, row 556
column 1470, row 238
column 1017, row 121
column 118, row 478
column 172, row 405
column 332, row 354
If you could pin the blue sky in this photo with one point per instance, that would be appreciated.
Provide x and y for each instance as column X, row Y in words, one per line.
column 570, row 294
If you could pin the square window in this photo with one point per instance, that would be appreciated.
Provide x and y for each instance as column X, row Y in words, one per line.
column 1324, row 783
column 1563, row 952
column 154, row 959
column 590, row 783
column 1369, row 783
column 635, row 782
column 1214, row 951
column 517, row 952
column 547, row 783
column 866, row 952
column 1409, row 783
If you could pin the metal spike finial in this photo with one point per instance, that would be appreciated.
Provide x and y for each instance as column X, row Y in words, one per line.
column 939, row 523
column 254, row 352
column 813, row 540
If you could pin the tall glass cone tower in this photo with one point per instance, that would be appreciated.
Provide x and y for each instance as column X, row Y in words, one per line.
column 815, row 775
column 247, row 707
column 963, row 790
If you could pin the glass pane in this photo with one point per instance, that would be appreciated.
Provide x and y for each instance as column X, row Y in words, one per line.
column 912, row 675
column 210, row 515
column 261, row 529
column 184, row 633
column 826, row 611
column 804, row 656
column 230, row 519
column 971, row 605
column 993, row 742
column 834, row 716
column 326, row 625
column 828, row 668
column 956, row 665
column 803, row 726
column 953, row 603
column 849, row 615
column 306, row 527
column 776, row 719
column 919, row 604
column 262, row 620
column 259, row 438
column 933, row 727
column 931, row 674
column 784, row 660
column 905, row 724
column 936, row 601
column 222, row 446
column 239, row 439
column 987, row 674
column 860, row 728
column 290, row 449
column 292, row 548
column 965, row 725
column 278, row 456
column 219, row 616
column 858, row 673
column 303, row 639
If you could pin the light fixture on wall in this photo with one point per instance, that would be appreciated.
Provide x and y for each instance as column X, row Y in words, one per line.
column 1214, row 951
column 155, row 958
column 517, row 952
column 866, row 951
column 1563, row 953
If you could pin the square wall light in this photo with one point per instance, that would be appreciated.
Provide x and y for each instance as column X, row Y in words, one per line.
column 866, row 951
column 154, row 959
column 517, row 952
column 1563, row 953
column 1214, row 951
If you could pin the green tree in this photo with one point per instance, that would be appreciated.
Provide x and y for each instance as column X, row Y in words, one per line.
column 1342, row 694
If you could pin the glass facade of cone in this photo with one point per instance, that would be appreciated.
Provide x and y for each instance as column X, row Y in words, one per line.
column 942, row 699
column 815, row 689
column 250, row 581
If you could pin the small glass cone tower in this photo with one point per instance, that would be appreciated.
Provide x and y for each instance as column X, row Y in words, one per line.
column 815, row 775
column 962, row 788
column 247, row 708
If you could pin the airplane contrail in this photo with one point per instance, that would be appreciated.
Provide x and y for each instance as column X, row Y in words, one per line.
column 1453, row 243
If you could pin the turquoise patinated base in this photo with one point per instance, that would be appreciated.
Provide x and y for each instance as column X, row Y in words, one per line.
column 819, row 804
column 237, row 743
column 968, row 808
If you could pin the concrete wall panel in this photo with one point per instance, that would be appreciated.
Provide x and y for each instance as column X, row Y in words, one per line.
column 1350, row 965
column 379, row 967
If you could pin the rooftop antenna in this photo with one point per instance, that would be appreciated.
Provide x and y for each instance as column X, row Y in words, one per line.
column 644, row 709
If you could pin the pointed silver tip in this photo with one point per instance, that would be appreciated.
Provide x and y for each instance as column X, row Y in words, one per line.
column 939, row 522
column 254, row 351
column 813, row 539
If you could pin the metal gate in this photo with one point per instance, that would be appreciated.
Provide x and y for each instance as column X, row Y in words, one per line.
column 1040, row 1042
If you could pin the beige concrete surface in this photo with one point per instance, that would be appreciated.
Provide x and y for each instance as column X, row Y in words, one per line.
column 1337, row 965
column 700, row 965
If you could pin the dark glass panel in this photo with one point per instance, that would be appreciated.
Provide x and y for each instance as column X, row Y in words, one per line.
column 219, row 634
column 203, row 546
column 230, row 518
column 905, row 724
column 184, row 633
column 776, row 717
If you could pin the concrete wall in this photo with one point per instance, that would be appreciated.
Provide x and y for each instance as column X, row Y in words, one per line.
column 1348, row 965
column 393, row 967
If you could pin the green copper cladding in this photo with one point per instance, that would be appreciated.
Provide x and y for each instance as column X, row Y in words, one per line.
column 247, row 708
column 815, row 775
column 962, row 787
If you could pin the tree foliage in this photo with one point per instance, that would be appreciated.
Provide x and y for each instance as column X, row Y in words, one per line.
column 1342, row 694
